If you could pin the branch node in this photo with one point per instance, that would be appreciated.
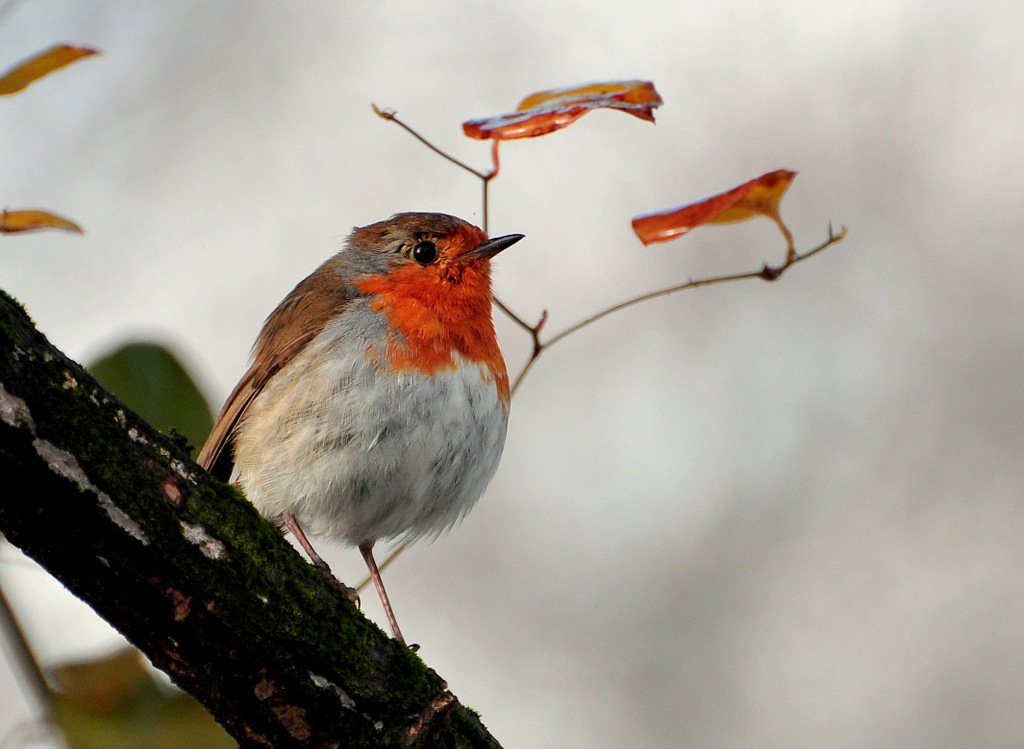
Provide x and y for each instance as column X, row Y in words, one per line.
column 540, row 323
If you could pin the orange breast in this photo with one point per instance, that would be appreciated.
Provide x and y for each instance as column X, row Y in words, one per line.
column 440, row 318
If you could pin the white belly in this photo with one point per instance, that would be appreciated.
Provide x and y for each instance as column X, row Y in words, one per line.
column 361, row 457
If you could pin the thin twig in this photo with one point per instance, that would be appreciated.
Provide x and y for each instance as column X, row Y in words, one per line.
column 790, row 242
column 767, row 273
column 486, row 179
column 496, row 164
column 486, row 202
column 25, row 657
column 390, row 115
column 513, row 316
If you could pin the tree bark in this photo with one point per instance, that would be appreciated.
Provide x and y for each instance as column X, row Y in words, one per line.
column 189, row 572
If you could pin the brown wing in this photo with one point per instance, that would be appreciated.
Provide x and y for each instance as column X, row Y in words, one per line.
column 293, row 324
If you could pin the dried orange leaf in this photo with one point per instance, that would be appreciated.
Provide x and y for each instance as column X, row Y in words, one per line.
column 44, row 63
column 758, row 197
column 12, row 222
column 547, row 111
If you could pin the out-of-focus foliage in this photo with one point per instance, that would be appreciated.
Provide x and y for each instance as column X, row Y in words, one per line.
column 152, row 382
column 115, row 703
column 33, row 219
column 17, row 79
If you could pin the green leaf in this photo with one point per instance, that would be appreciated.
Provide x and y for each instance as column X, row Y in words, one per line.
column 151, row 381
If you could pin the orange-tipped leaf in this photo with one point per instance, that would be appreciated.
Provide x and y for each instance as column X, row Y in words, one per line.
column 547, row 111
column 758, row 197
column 39, row 65
column 14, row 222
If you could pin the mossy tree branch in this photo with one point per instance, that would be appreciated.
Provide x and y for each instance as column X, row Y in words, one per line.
column 186, row 569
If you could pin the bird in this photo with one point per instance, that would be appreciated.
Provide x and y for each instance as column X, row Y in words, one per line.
column 376, row 402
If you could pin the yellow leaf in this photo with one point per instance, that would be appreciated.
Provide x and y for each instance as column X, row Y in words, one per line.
column 39, row 65
column 13, row 222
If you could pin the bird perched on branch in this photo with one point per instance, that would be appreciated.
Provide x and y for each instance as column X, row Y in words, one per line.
column 377, row 400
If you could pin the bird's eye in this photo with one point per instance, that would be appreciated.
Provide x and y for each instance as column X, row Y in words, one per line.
column 424, row 252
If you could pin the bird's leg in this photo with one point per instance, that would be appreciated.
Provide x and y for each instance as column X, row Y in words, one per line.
column 367, row 551
column 293, row 525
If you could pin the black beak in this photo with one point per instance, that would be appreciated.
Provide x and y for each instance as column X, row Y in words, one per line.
column 492, row 247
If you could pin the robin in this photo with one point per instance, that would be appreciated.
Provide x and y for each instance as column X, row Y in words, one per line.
column 377, row 400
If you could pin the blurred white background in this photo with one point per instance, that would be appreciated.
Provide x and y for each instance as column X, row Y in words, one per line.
column 782, row 514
